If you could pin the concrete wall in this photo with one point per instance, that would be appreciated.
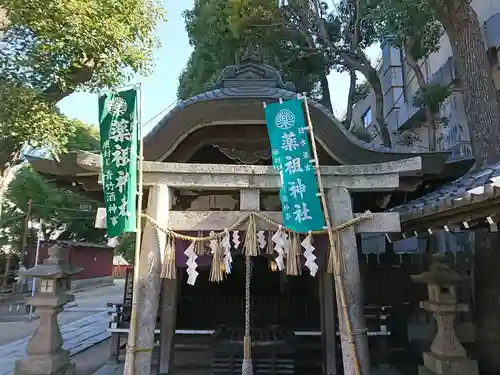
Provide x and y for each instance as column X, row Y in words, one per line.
column 437, row 67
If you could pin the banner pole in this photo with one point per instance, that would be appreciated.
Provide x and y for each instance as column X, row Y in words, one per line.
column 338, row 278
column 131, row 345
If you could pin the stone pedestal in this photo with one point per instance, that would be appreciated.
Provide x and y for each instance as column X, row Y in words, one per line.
column 447, row 355
column 439, row 365
column 45, row 353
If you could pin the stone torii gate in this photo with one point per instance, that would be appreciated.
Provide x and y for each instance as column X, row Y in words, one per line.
column 225, row 126
column 163, row 179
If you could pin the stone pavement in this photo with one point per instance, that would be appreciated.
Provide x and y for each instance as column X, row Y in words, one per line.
column 78, row 336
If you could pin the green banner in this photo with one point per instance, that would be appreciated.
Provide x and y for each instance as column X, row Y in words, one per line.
column 119, row 144
column 291, row 154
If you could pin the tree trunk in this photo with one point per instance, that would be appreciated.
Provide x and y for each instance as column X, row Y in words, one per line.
column 430, row 120
column 362, row 64
column 9, row 157
column 483, row 118
column 348, row 123
column 481, row 108
column 372, row 77
column 487, row 301
column 326, row 100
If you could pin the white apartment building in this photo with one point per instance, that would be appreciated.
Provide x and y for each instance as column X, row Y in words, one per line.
column 400, row 85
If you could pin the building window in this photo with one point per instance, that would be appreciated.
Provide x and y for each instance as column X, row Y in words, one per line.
column 367, row 118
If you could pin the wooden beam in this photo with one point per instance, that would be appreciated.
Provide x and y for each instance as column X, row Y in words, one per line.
column 219, row 220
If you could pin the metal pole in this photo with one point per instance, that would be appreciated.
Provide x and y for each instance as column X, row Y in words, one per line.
column 135, row 291
column 37, row 255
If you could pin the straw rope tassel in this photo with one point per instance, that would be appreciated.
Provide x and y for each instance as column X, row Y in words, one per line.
column 251, row 238
column 199, row 246
column 298, row 254
column 168, row 266
column 339, row 282
column 292, row 264
column 270, row 245
column 217, row 266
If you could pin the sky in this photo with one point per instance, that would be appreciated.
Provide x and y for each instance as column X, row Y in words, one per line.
column 160, row 88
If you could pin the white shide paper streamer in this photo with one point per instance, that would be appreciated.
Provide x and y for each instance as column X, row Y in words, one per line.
column 191, row 264
column 309, row 255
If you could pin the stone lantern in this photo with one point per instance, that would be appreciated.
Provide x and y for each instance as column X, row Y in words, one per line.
column 45, row 353
column 447, row 355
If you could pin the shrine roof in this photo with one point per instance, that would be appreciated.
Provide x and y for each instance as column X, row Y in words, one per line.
column 237, row 98
column 472, row 197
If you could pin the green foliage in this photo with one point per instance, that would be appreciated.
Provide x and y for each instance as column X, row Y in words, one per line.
column 345, row 14
column 83, row 137
column 432, row 96
column 50, row 48
column 361, row 92
column 219, row 29
column 126, row 246
column 407, row 138
column 60, row 209
column 57, row 46
column 408, row 24
column 26, row 119
column 40, row 126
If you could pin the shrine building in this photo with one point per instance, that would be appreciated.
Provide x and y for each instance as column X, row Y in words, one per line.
column 207, row 165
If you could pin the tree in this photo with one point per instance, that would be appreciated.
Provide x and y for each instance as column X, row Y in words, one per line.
column 475, row 81
column 412, row 28
column 84, row 137
column 66, row 215
column 461, row 24
column 50, row 49
column 482, row 112
column 341, row 35
column 60, row 208
column 126, row 246
column 218, row 30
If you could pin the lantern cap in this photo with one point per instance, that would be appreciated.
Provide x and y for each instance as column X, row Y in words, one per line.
column 439, row 273
column 55, row 266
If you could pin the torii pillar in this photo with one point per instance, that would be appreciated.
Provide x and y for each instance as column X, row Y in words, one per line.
column 340, row 209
